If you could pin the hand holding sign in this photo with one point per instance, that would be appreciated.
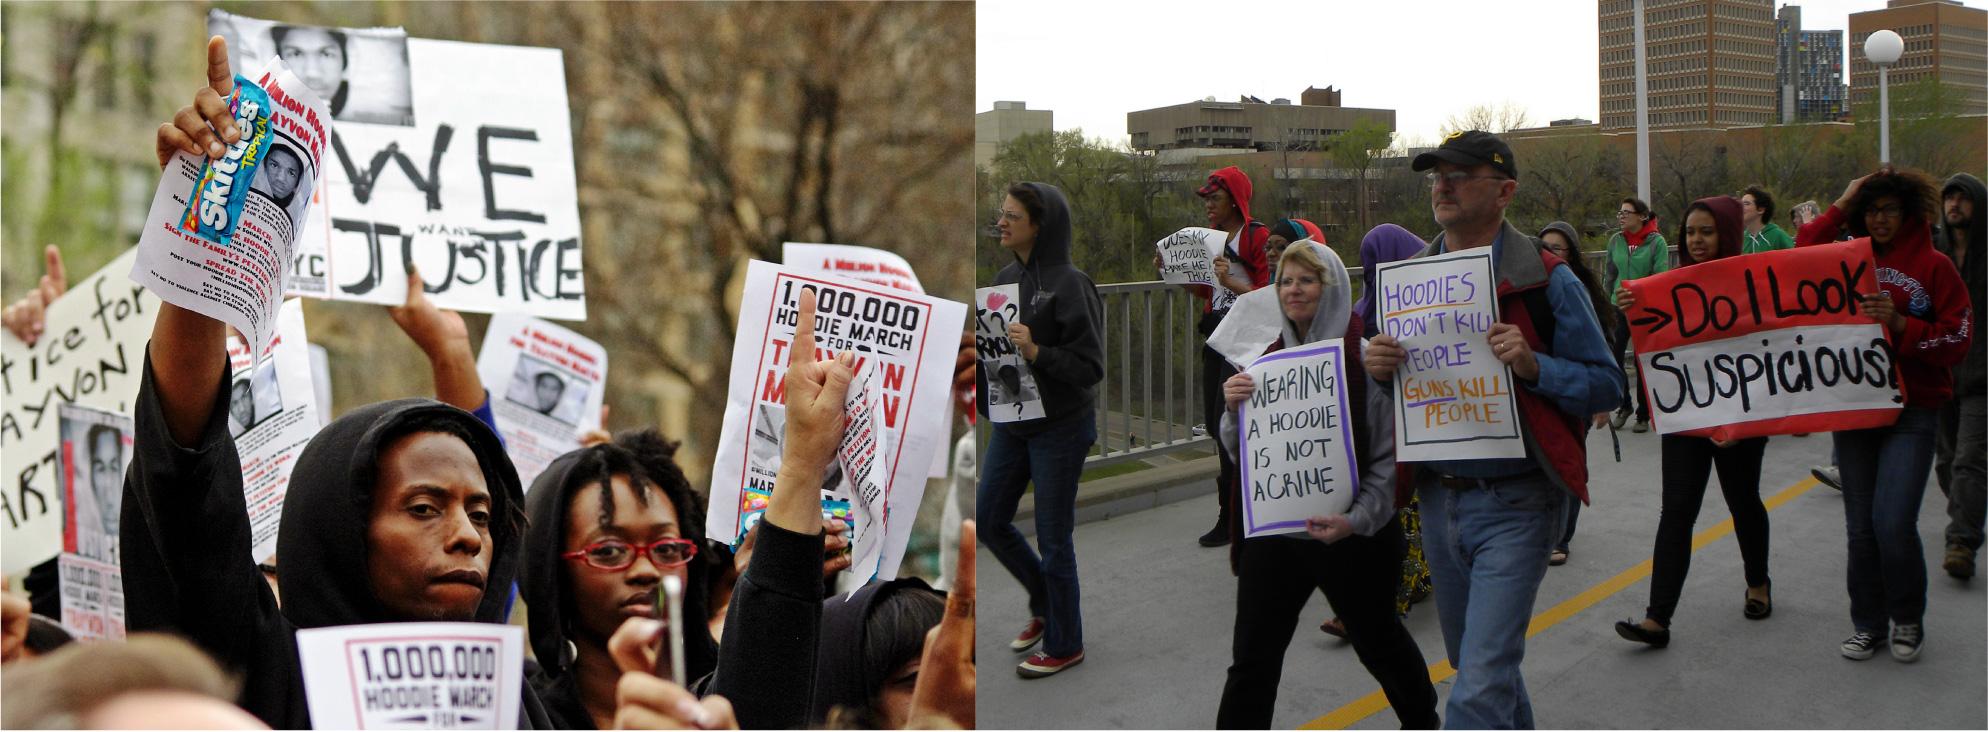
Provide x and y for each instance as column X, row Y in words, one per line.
column 1382, row 356
column 195, row 129
column 1237, row 390
column 645, row 701
column 1510, row 346
column 1878, row 306
column 1024, row 343
column 1625, row 298
column 1329, row 528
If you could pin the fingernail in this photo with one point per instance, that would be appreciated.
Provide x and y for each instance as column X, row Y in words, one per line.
column 690, row 711
column 234, row 133
column 651, row 629
column 214, row 148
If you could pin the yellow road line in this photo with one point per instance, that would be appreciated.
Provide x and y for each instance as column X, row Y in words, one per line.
column 1367, row 706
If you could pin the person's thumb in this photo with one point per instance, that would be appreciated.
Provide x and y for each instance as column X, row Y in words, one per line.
column 835, row 383
column 633, row 643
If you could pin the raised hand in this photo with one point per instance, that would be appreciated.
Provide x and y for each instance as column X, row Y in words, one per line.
column 205, row 127
column 815, row 391
column 643, row 700
column 28, row 316
column 946, row 677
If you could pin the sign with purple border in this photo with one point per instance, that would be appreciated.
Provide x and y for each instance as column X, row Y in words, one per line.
column 1295, row 441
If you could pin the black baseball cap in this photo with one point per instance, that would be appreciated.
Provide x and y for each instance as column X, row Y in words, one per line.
column 1472, row 147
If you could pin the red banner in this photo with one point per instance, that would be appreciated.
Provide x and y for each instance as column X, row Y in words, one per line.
column 1765, row 344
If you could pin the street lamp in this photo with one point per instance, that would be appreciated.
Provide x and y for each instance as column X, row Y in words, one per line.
column 1883, row 48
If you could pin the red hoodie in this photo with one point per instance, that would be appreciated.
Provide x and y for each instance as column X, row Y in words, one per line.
column 1928, row 291
column 1250, row 249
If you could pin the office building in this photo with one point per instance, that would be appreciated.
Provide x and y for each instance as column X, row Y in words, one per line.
column 1711, row 63
column 1944, row 40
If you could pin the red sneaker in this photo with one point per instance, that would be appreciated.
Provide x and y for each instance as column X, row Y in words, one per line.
column 1041, row 664
column 1031, row 635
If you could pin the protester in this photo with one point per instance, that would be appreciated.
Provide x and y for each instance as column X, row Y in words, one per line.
column 1635, row 252
column 1803, row 213
column 1286, row 231
column 1563, row 241
column 1711, row 230
column 1964, row 205
column 872, row 640
column 1389, row 243
column 150, row 681
column 1352, row 557
column 1243, row 266
column 1058, row 335
column 1762, row 234
column 1923, row 304
column 1490, row 523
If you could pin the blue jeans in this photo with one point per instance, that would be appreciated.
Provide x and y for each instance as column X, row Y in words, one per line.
column 1053, row 459
column 1887, row 576
column 1487, row 550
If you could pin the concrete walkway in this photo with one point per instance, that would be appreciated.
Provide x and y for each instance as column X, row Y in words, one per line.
column 1159, row 608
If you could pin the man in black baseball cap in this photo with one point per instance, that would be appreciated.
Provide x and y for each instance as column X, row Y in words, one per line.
column 1471, row 148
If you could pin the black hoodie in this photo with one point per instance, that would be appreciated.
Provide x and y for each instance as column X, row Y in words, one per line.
column 1969, row 376
column 1061, row 308
column 840, row 676
column 186, row 542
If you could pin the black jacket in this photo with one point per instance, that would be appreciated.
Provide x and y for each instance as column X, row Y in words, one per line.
column 186, row 545
column 1061, row 308
column 1969, row 376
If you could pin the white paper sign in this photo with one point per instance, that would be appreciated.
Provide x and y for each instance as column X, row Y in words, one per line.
column 1296, row 440
column 272, row 414
column 875, row 266
column 321, row 380
column 1453, row 398
column 1254, row 323
column 1187, row 257
column 1723, row 382
column 92, row 353
column 861, row 460
column 546, row 387
column 1012, row 394
column 96, row 450
column 220, row 235
column 911, row 338
column 413, row 675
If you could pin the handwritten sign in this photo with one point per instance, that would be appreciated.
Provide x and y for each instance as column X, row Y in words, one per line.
column 413, row 675
column 546, row 388
column 1296, row 442
column 875, row 266
column 1766, row 344
column 1012, row 393
column 911, row 339
column 1453, row 399
column 1187, row 257
column 92, row 353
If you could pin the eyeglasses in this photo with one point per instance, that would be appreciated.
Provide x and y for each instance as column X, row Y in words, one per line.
column 615, row 555
column 1625, row 212
column 1011, row 217
column 1890, row 212
column 1457, row 178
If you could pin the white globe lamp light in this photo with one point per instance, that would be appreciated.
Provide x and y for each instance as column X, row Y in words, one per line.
column 1883, row 49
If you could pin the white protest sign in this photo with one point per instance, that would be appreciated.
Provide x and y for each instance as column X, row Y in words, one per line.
column 911, row 339
column 875, row 266
column 321, row 380
column 92, row 352
column 1453, row 399
column 413, row 675
column 1254, row 323
column 1012, row 394
column 861, row 459
column 546, row 387
column 272, row 414
column 220, row 234
column 1187, row 257
column 1296, row 440
column 456, row 158
column 96, row 450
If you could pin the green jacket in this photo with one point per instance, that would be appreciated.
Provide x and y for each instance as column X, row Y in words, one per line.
column 1651, row 257
column 1770, row 238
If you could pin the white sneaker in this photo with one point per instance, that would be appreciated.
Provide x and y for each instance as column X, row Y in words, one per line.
column 1905, row 641
column 1860, row 647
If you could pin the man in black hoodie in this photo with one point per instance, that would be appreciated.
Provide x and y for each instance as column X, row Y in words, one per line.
column 1961, row 440
column 1058, row 336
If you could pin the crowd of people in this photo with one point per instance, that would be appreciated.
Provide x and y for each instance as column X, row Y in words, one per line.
column 1482, row 533
column 410, row 510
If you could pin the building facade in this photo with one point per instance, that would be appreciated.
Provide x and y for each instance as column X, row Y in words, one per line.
column 1944, row 40
column 1711, row 63
column 1249, row 124
column 1002, row 124
column 1820, row 94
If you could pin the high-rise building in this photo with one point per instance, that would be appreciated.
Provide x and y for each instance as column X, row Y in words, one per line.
column 1820, row 94
column 1944, row 40
column 1249, row 124
column 1711, row 63
column 1002, row 124
column 1787, row 68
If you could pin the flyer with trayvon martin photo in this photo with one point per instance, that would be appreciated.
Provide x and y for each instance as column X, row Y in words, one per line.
column 413, row 675
column 273, row 413
column 1295, row 440
column 221, row 233
column 1012, row 394
column 910, row 340
column 1453, row 398
column 92, row 353
column 96, row 450
column 1766, row 344
column 455, row 158
column 860, row 480
column 546, row 386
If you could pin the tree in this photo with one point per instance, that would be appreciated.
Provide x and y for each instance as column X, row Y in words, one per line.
column 1499, row 118
column 1355, row 150
column 1684, row 167
column 1927, row 131
column 1578, row 180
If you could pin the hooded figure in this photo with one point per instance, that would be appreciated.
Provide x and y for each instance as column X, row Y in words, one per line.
column 1958, row 458
column 1727, row 216
column 1060, row 305
column 186, row 540
column 1385, row 243
column 1971, row 377
column 862, row 648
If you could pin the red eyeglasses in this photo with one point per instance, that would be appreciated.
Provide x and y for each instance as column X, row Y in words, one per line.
column 614, row 554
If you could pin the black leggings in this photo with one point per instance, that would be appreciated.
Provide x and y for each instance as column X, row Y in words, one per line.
column 1688, row 463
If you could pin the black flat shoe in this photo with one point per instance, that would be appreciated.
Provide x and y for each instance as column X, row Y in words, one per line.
column 1758, row 609
column 1636, row 632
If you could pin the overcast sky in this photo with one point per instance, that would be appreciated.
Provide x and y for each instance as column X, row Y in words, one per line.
column 1091, row 62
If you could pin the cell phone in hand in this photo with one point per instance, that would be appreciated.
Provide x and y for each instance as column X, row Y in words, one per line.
column 669, row 656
